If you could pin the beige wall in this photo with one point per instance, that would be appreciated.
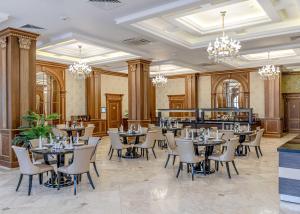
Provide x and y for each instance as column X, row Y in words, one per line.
column 75, row 96
column 204, row 92
column 114, row 85
column 173, row 87
column 257, row 94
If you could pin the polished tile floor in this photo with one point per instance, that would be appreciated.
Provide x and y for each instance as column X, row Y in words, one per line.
column 141, row 186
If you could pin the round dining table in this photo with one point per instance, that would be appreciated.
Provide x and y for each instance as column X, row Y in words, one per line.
column 131, row 152
column 70, row 130
column 242, row 137
column 60, row 157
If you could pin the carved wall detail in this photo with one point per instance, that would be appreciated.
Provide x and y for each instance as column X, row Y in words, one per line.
column 24, row 43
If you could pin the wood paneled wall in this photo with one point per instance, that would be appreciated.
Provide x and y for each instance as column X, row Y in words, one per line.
column 17, row 86
column 191, row 91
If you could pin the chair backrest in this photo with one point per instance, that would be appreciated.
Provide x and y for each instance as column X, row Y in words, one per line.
column 228, row 155
column 88, row 131
column 61, row 126
column 185, row 149
column 90, row 125
column 26, row 166
column 171, row 141
column 113, row 129
column 115, row 140
column 34, row 143
column 144, row 129
column 81, row 161
column 94, row 141
column 258, row 137
column 151, row 125
column 150, row 139
column 227, row 134
column 58, row 133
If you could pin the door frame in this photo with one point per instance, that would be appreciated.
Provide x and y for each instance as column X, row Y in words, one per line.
column 113, row 97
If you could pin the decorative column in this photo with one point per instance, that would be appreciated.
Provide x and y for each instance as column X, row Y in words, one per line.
column 273, row 113
column 191, row 92
column 17, row 86
column 138, row 92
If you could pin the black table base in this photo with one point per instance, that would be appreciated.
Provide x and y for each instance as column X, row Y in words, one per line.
column 131, row 153
column 239, row 150
column 64, row 182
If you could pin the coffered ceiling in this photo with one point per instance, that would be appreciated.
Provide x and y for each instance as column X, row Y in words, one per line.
column 171, row 33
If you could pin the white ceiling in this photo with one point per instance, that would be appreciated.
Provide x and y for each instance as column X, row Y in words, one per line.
column 179, row 31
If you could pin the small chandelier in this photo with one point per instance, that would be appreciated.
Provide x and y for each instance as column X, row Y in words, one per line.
column 159, row 80
column 269, row 72
column 80, row 69
column 223, row 47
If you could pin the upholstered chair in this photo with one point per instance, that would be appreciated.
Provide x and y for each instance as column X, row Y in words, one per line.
column 227, row 135
column 111, row 130
column 151, row 126
column 88, row 132
column 148, row 144
column 61, row 126
column 186, row 152
column 28, row 168
column 171, row 147
column 160, row 138
column 79, row 166
column 94, row 141
column 227, row 157
column 116, row 144
column 255, row 143
column 59, row 133
column 38, row 158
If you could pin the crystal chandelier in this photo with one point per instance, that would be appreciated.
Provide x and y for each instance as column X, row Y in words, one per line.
column 269, row 72
column 223, row 47
column 159, row 80
column 80, row 69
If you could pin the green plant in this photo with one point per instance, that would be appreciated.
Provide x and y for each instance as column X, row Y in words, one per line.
column 36, row 125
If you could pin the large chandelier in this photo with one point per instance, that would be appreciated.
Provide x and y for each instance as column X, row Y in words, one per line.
column 269, row 72
column 159, row 80
column 223, row 47
column 80, row 69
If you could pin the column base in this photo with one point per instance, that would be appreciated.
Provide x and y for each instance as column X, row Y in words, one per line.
column 273, row 127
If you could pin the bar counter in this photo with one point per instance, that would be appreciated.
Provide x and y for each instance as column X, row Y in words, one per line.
column 289, row 171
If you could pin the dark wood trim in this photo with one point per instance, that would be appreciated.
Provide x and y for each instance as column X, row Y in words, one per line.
column 113, row 97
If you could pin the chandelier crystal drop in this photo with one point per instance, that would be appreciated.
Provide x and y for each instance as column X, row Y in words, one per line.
column 223, row 47
column 80, row 69
column 159, row 80
column 269, row 72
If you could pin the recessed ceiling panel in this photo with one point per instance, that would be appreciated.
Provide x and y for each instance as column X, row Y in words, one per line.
column 273, row 55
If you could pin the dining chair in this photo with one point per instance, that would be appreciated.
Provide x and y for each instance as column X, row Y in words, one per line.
column 151, row 125
column 94, row 141
column 160, row 138
column 112, row 130
column 171, row 148
column 186, row 152
column 58, row 133
column 30, row 169
column 227, row 135
column 149, row 143
column 227, row 156
column 79, row 166
column 91, row 125
column 116, row 144
column 88, row 132
column 61, row 126
column 255, row 143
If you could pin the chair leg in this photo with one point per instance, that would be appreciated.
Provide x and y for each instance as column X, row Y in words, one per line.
column 19, row 183
column 95, row 167
column 110, row 148
column 256, row 150
column 147, row 154
column 90, row 179
column 58, row 180
column 41, row 178
column 120, row 154
column 174, row 158
column 179, row 168
column 75, row 184
column 192, row 166
column 228, row 170
column 188, row 168
column 30, row 184
column 168, row 158
column 233, row 163
column 153, row 153
column 259, row 149
column 111, row 154
column 204, row 167
column 223, row 149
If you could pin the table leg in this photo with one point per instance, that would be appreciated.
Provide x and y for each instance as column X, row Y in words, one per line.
column 239, row 149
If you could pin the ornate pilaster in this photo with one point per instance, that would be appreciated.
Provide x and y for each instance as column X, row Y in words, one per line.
column 3, row 85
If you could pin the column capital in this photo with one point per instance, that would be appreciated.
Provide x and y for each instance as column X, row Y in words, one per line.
column 3, row 42
column 139, row 61
column 24, row 43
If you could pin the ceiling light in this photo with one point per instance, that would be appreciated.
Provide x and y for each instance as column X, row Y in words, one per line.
column 80, row 69
column 159, row 79
column 223, row 47
column 269, row 72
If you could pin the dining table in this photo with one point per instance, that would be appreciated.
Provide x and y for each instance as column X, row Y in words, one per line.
column 209, row 146
column 242, row 137
column 60, row 153
column 131, row 152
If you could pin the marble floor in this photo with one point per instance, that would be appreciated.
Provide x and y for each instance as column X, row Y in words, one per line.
column 141, row 186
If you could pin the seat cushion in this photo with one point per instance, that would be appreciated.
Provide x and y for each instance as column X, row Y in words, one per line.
column 214, row 157
column 44, row 168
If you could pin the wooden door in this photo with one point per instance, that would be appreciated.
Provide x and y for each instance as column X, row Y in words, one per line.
column 292, row 112
column 114, row 110
column 176, row 102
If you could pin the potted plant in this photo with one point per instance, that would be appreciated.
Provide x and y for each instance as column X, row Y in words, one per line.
column 36, row 127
